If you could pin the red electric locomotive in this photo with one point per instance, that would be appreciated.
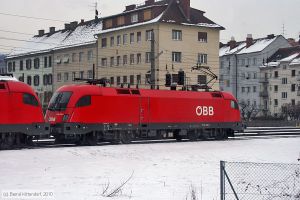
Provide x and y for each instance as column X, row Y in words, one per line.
column 90, row 113
column 21, row 115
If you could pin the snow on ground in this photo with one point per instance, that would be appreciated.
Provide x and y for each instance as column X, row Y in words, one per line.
column 160, row 170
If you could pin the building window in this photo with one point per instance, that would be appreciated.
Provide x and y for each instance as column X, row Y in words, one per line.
column 254, row 88
column 284, row 95
column 104, row 62
column 248, row 90
column 45, row 62
column 132, row 79
column 148, row 57
column 118, row 60
column 134, row 18
column 50, row 81
column 9, row 67
column 275, row 88
column 138, row 37
column 284, row 80
column 131, row 59
column 202, row 36
column 118, row 80
column 58, row 60
column 202, row 79
column 28, row 64
column 202, row 58
column 254, row 75
column 36, row 80
column 36, row 63
column 119, row 40
column 90, row 74
column 66, row 58
column 176, row 34
column 254, row 61
column 243, row 89
column 293, row 102
column 104, row 42
column 90, row 55
column 131, row 38
column 275, row 74
column 112, row 61
column 149, row 35
column 112, row 80
column 139, row 58
column 81, row 74
column 124, row 38
column 124, row 79
column 293, row 87
column 58, row 77
column 125, row 60
column 176, row 56
column 73, row 57
column 50, row 61
column 66, row 76
column 275, row 102
column 293, row 73
column 21, row 65
column 138, row 79
column 73, row 76
column 81, row 54
column 29, row 80
column 112, row 41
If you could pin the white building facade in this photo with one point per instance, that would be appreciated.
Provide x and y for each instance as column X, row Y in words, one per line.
column 240, row 66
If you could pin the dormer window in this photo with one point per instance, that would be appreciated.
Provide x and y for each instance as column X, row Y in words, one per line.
column 134, row 18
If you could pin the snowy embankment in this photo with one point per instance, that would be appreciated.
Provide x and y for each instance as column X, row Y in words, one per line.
column 159, row 171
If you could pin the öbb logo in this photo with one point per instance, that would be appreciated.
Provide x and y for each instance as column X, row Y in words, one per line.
column 205, row 111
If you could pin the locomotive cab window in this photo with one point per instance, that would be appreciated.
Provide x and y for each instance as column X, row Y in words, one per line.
column 2, row 86
column 234, row 105
column 59, row 101
column 84, row 101
column 30, row 100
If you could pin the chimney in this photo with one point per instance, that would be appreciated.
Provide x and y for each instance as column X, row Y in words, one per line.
column 41, row 32
column 82, row 21
column 73, row 24
column 232, row 43
column 186, row 6
column 271, row 36
column 249, row 40
column 130, row 7
column 51, row 30
column 67, row 26
column 149, row 2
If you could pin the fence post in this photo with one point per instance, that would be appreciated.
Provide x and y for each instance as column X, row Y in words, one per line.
column 222, row 180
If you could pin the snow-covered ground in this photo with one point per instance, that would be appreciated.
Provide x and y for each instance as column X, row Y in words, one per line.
column 159, row 170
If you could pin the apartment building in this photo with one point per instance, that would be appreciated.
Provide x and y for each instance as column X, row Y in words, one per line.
column 240, row 66
column 50, row 60
column 182, row 37
column 2, row 64
column 281, row 80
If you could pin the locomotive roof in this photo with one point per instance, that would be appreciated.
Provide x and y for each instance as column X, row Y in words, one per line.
column 17, row 86
column 109, row 91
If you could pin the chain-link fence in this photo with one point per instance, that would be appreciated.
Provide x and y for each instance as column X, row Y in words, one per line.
column 259, row 181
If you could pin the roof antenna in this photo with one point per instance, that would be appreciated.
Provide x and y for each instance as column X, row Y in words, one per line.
column 96, row 11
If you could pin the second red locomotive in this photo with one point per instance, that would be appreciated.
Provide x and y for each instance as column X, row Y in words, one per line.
column 21, row 115
column 89, row 113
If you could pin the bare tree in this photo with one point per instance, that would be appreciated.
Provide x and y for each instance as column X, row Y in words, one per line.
column 290, row 111
column 248, row 112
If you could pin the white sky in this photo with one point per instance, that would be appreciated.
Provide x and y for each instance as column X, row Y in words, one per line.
column 239, row 17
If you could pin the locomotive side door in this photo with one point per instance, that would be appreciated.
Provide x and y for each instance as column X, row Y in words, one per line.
column 144, row 111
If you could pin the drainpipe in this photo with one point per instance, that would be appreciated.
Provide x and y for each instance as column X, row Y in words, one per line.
column 236, row 76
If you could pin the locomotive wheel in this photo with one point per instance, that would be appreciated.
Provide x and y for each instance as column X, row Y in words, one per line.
column 8, row 140
column 177, row 136
column 59, row 139
column 126, row 137
column 220, row 134
column 192, row 135
column 91, row 139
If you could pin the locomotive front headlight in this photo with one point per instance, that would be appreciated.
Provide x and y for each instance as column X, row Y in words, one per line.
column 65, row 117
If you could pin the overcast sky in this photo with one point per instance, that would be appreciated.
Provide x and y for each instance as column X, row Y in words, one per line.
column 239, row 17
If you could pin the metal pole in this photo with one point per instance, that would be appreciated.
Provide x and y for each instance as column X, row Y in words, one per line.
column 153, row 78
column 222, row 180
column 93, row 71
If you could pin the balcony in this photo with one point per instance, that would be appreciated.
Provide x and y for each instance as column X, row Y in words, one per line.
column 264, row 94
column 264, row 80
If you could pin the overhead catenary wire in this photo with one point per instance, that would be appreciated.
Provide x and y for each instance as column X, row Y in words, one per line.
column 30, row 17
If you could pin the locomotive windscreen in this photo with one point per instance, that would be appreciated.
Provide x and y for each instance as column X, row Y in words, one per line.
column 59, row 101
